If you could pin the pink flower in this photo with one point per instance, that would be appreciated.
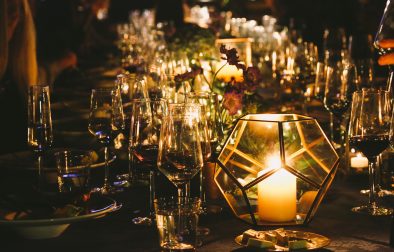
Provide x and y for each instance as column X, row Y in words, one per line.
column 232, row 102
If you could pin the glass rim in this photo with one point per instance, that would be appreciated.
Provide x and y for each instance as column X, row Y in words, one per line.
column 202, row 94
column 74, row 152
column 152, row 100
column 371, row 90
column 172, row 203
column 104, row 89
column 38, row 87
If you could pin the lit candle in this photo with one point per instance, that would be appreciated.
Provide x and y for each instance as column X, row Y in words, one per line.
column 228, row 72
column 309, row 90
column 277, row 196
column 359, row 161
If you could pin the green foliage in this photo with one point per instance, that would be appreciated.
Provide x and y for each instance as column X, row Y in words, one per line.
column 193, row 40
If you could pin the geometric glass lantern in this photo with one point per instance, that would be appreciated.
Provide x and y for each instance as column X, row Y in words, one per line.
column 275, row 169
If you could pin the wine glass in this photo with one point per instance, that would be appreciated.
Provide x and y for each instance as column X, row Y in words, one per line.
column 146, row 120
column 361, row 53
column 39, row 132
column 132, row 86
column 341, row 82
column 320, row 80
column 334, row 46
column 369, row 131
column 106, row 121
column 384, row 39
column 209, row 107
column 201, row 115
column 180, row 156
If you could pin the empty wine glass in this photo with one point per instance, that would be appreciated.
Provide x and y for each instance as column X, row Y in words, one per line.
column 180, row 155
column 209, row 107
column 146, row 120
column 334, row 46
column 369, row 131
column 361, row 53
column 384, row 39
column 40, row 136
column 341, row 82
column 106, row 121
column 320, row 80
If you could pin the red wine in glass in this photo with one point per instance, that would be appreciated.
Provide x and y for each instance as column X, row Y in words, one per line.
column 370, row 146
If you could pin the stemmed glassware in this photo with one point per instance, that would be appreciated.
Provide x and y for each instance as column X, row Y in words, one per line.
column 132, row 86
column 106, row 121
column 209, row 107
column 320, row 80
column 369, row 131
column 341, row 82
column 334, row 46
column 361, row 54
column 180, row 154
column 384, row 39
column 40, row 136
column 146, row 120
column 202, row 120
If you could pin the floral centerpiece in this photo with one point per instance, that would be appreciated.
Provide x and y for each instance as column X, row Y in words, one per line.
column 238, row 94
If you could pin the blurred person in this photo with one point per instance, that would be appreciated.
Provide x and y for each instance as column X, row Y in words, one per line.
column 18, row 70
column 171, row 12
column 67, row 34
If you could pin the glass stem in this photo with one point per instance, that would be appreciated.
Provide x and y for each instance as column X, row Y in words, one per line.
column 183, row 191
column 389, row 85
column 372, row 182
column 151, row 192
column 39, row 160
column 131, row 166
column 39, row 167
column 202, row 186
column 106, row 168
column 332, row 127
column 378, row 173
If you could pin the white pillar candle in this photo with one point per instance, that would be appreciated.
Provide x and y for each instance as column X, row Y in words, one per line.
column 277, row 196
column 359, row 161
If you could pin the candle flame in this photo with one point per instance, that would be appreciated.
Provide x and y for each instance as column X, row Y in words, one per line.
column 274, row 162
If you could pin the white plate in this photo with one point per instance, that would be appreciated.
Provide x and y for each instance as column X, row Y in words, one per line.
column 53, row 227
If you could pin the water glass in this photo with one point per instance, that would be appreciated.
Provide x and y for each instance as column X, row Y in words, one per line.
column 73, row 171
column 68, row 182
column 177, row 221
column 40, row 136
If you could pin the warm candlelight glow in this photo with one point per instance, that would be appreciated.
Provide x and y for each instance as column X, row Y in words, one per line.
column 228, row 72
column 125, row 88
column 359, row 161
column 277, row 197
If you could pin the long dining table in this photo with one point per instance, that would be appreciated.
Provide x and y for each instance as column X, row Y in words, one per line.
column 346, row 230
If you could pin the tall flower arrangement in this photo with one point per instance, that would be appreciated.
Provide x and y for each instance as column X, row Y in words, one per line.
column 238, row 95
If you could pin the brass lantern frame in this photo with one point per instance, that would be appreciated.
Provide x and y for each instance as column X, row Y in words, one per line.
column 230, row 150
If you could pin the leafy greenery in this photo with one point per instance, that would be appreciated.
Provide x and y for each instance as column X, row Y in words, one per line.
column 193, row 40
